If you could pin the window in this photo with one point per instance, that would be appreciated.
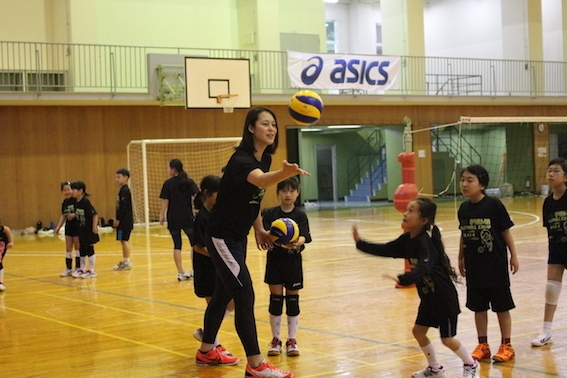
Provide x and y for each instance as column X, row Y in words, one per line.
column 379, row 39
column 331, row 36
column 21, row 81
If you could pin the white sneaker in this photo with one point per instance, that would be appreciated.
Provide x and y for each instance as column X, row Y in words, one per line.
column 89, row 274
column 185, row 276
column 66, row 273
column 78, row 273
column 198, row 334
column 542, row 340
column 429, row 372
column 123, row 265
column 275, row 347
column 469, row 371
column 2, row 287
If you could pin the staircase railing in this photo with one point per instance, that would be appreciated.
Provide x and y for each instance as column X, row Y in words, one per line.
column 368, row 154
column 458, row 146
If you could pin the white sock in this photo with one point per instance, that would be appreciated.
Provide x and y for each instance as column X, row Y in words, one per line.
column 83, row 262
column 463, row 353
column 276, row 325
column 127, row 259
column 2, row 275
column 292, row 326
column 547, row 328
column 432, row 360
column 92, row 261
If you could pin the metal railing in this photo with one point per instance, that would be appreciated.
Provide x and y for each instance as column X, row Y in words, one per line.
column 456, row 145
column 84, row 68
column 367, row 156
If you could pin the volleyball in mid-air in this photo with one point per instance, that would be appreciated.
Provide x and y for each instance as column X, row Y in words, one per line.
column 284, row 231
column 305, row 107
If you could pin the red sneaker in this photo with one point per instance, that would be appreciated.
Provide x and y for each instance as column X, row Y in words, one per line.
column 215, row 357
column 266, row 370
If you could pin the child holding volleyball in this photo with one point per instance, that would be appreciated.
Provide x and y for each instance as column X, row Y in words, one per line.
column 432, row 273
column 204, row 274
column 6, row 241
column 237, row 209
column 483, row 260
column 71, row 229
column 87, row 219
column 554, row 218
column 284, row 268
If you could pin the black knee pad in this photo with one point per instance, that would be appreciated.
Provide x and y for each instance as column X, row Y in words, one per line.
column 276, row 304
column 292, row 305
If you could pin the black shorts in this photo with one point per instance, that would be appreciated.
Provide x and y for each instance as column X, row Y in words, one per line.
column 71, row 229
column 285, row 269
column 229, row 259
column 204, row 275
column 123, row 235
column 447, row 324
column 557, row 257
column 499, row 299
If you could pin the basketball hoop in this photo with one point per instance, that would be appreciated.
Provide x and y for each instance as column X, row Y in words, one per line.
column 227, row 101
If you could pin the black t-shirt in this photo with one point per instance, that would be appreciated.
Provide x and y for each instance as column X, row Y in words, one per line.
column 3, row 241
column 485, row 251
column 85, row 212
column 179, row 209
column 434, row 285
column 124, row 212
column 238, row 201
column 271, row 214
column 68, row 207
column 555, row 220
column 200, row 227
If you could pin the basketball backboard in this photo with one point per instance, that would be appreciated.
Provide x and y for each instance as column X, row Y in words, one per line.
column 207, row 78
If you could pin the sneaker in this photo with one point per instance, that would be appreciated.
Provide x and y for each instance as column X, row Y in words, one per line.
column 275, row 347
column 481, row 352
column 2, row 286
column 66, row 273
column 78, row 273
column 89, row 274
column 542, row 340
column 291, row 348
column 429, row 372
column 198, row 334
column 123, row 265
column 505, row 353
column 215, row 357
column 267, row 370
column 185, row 276
column 223, row 350
column 469, row 371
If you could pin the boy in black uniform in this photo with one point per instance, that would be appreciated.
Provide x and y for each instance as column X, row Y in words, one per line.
column 124, row 222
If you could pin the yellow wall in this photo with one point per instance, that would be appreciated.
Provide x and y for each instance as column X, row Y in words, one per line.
column 23, row 20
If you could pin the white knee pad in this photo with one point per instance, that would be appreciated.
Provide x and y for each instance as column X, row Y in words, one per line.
column 552, row 291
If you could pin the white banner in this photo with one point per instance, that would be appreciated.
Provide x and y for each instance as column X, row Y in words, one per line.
column 341, row 71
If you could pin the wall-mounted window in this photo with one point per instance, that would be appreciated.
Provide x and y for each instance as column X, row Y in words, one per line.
column 332, row 42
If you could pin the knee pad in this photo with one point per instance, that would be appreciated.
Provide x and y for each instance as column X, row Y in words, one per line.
column 292, row 305
column 552, row 291
column 276, row 305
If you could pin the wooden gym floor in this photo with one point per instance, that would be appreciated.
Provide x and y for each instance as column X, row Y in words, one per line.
column 139, row 323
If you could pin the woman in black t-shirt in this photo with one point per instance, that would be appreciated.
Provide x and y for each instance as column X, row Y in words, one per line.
column 177, row 194
column 237, row 209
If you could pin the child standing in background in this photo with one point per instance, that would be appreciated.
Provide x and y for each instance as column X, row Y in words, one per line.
column 88, row 230
column 6, row 241
column 483, row 260
column 204, row 273
column 124, row 222
column 284, row 268
column 71, row 230
column 554, row 219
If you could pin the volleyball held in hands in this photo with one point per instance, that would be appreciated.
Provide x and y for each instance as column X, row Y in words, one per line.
column 305, row 107
column 284, row 231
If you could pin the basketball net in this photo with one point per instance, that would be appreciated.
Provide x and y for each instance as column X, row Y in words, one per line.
column 227, row 101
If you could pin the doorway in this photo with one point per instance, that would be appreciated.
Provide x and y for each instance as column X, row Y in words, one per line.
column 327, row 173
